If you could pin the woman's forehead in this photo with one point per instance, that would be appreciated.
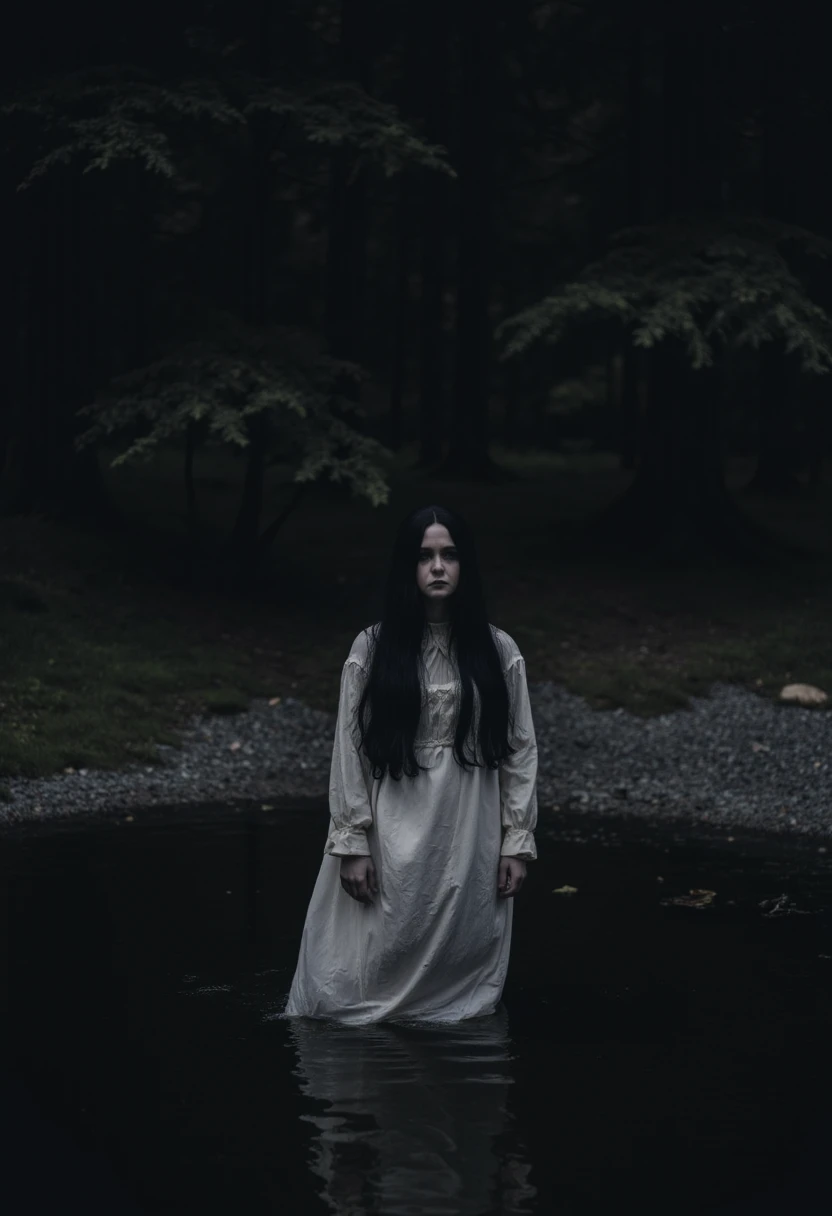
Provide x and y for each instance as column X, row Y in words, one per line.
column 438, row 534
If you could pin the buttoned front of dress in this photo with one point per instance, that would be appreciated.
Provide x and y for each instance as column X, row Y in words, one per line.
column 442, row 692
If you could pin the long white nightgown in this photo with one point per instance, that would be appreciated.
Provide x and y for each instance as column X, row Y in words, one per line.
column 434, row 944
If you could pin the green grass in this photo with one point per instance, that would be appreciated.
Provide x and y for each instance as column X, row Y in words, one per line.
column 100, row 658
column 90, row 683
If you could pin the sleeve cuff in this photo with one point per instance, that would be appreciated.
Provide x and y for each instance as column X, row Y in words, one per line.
column 519, row 843
column 347, row 842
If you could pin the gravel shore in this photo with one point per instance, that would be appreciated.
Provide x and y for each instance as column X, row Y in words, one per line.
column 734, row 759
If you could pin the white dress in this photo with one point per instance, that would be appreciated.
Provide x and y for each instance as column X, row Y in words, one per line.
column 434, row 944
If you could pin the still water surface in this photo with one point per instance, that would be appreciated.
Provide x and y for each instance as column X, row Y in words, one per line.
column 647, row 1056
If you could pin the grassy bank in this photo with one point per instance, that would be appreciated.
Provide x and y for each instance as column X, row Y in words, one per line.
column 100, row 656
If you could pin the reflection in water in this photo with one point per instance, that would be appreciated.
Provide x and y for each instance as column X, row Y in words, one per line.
column 416, row 1119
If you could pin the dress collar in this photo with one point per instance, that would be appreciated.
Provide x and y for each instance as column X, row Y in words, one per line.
column 440, row 632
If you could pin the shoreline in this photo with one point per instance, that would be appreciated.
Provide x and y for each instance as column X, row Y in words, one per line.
column 730, row 764
column 554, row 824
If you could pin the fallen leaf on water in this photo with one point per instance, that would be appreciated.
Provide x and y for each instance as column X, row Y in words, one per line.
column 782, row 906
column 564, row 890
column 698, row 897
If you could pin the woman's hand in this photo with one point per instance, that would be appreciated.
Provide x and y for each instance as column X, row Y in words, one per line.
column 358, row 878
column 511, row 876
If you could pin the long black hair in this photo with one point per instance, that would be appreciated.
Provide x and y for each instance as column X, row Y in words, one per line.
column 393, row 690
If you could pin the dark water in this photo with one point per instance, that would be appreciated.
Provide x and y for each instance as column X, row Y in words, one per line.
column 648, row 1057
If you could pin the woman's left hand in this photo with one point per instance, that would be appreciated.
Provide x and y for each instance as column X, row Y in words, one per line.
column 511, row 876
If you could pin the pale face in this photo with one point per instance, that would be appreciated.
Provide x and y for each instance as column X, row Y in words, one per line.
column 437, row 571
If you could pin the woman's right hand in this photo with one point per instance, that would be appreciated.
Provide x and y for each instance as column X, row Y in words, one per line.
column 358, row 878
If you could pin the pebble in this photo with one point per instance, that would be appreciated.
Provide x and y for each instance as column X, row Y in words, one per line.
column 732, row 759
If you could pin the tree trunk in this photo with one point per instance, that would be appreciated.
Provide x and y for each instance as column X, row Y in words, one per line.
column 818, row 431
column 243, row 546
column 678, row 506
column 779, row 406
column 347, row 218
column 468, row 456
column 408, row 99
column 401, row 294
column 191, row 508
column 434, row 58
column 779, row 455
column 432, row 374
column 628, row 400
column 633, row 393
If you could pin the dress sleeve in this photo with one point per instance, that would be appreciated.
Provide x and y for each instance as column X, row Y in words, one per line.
column 349, row 799
column 518, row 772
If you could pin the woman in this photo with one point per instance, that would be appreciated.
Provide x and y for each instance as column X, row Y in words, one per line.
column 432, row 796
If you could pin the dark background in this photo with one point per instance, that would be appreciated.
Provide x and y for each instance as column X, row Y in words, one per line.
column 277, row 273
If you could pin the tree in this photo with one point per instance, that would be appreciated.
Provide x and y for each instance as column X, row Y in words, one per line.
column 688, row 288
column 228, row 374
column 688, row 285
column 782, row 149
column 106, row 118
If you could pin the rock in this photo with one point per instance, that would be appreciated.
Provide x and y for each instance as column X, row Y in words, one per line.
column 803, row 694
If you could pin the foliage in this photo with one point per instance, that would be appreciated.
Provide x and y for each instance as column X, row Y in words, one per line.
column 730, row 281
column 341, row 113
column 115, row 113
column 231, row 372
column 221, row 375
column 109, row 113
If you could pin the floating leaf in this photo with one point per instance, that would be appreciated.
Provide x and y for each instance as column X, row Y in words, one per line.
column 698, row 897
column 782, row 906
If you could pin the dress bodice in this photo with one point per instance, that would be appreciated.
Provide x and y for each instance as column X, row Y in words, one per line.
column 442, row 689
